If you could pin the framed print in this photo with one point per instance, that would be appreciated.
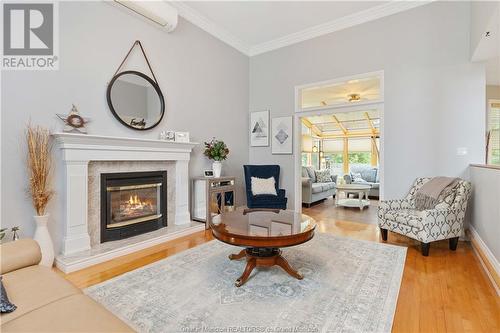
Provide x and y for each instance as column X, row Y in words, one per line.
column 259, row 128
column 282, row 135
column 167, row 135
column 181, row 136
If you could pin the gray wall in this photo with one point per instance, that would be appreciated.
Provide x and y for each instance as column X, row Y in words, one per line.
column 481, row 16
column 485, row 207
column 204, row 81
column 434, row 98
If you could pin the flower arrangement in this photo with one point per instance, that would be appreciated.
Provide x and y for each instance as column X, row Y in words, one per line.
column 39, row 164
column 216, row 150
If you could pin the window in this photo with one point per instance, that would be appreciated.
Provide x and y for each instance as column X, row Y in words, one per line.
column 493, row 134
column 306, row 159
column 340, row 140
column 362, row 157
column 360, row 151
column 315, row 160
column 334, row 162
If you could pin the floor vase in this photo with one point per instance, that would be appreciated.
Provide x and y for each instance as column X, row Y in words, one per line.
column 42, row 236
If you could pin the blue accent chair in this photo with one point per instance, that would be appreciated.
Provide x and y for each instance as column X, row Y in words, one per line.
column 264, row 201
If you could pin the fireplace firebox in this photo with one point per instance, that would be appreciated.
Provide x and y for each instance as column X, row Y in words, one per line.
column 132, row 203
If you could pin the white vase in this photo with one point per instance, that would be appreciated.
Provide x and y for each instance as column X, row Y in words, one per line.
column 217, row 168
column 43, row 238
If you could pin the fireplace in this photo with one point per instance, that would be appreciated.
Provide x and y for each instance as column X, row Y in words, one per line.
column 132, row 203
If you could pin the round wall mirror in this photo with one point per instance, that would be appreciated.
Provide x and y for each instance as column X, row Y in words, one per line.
column 135, row 100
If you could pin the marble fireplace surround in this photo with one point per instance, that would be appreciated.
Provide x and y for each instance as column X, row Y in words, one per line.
column 84, row 156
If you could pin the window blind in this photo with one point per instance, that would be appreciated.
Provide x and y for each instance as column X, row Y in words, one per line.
column 494, row 134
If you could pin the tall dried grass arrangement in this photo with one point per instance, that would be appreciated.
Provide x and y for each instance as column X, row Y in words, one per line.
column 39, row 164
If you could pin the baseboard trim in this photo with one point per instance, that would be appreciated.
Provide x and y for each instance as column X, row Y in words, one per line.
column 488, row 261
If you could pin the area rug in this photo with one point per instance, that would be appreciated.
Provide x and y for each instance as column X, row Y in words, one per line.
column 348, row 286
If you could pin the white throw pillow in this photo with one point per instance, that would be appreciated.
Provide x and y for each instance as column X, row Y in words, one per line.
column 263, row 186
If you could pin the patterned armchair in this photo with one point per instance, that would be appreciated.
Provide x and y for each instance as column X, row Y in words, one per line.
column 445, row 221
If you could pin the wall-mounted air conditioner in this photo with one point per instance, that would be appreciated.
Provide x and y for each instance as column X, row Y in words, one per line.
column 157, row 12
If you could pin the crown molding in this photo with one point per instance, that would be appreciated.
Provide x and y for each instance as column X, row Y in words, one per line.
column 364, row 16
column 207, row 25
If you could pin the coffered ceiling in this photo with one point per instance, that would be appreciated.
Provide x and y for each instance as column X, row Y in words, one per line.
column 255, row 27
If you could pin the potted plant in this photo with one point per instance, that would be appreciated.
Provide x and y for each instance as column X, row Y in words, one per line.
column 217, row 151
column 39, row 164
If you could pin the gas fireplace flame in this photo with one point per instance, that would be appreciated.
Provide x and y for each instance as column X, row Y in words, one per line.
column 133, row 205
column 134, row 200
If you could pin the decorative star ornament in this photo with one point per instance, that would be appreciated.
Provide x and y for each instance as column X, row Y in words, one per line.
column 73, row 122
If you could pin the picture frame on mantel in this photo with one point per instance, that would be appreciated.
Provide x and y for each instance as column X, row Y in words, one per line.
column 282, row 135
column 259, row 128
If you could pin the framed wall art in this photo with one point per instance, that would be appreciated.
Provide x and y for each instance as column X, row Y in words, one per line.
column 181, row 136
column 282, row 135
column 259, row 128
column 167, row 135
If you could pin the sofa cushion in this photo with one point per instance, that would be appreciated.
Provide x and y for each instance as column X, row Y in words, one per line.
column 328, row 186
column 19, row 254
column 76, row 313
column 362, row 182
column 311, row 173
column 409, row 217
column 267, row 198
column 316, row 187
column 34, row 287
column 367, row 172
column 370, row 175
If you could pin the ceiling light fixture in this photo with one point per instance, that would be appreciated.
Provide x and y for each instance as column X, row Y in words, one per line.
column 354, row 97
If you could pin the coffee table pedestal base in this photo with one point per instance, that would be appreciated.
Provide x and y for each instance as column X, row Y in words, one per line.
column 262, row 257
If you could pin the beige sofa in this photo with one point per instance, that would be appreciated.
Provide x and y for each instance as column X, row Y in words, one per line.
column 45, row 301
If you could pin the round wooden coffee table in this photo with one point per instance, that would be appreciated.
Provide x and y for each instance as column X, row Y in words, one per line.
column 262, row 233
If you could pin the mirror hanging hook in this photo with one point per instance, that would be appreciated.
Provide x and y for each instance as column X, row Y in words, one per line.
column 137, row 42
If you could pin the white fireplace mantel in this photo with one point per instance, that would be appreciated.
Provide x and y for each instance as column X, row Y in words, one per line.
column 77, row 150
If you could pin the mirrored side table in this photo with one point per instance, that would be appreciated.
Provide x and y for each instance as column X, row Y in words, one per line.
column 212, row 197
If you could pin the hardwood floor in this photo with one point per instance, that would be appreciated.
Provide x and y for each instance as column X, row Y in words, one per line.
column 326, row 210
column 445, row 292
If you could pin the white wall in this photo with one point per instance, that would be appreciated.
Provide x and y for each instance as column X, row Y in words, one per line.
column 434, row 98
column 204, row 81
column 482, row 15
column 485, row 207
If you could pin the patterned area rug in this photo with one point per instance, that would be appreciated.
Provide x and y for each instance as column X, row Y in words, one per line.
column 348, row 286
